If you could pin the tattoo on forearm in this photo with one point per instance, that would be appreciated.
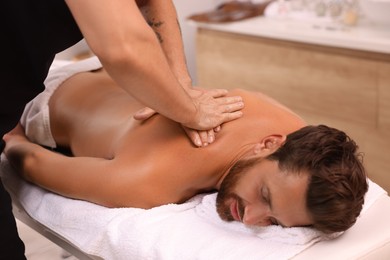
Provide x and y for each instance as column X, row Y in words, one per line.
column 155, row 25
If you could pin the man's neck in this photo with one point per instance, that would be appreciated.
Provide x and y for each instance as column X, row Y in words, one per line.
column 245, row 153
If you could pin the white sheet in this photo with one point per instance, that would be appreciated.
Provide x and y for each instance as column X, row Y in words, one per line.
column 191, row 230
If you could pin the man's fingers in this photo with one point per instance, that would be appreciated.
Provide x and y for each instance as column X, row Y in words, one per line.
column 17, row 131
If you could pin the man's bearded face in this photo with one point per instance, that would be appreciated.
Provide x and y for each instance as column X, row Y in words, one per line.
column 226, row 191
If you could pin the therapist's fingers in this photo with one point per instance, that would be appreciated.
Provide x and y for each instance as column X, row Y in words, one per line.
column 207, row 136
column 144, row 113
column 231, row 116
column 230, row 104
column 194, row 136
column 213, row 111
column 200, row 138
column 203, row 137
column 216, row 93
column 210, row 136
column 220, row 96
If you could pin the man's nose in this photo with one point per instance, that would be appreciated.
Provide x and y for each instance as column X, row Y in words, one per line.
column 257, row 215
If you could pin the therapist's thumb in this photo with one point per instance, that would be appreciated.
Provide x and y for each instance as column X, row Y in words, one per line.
column 144, row 113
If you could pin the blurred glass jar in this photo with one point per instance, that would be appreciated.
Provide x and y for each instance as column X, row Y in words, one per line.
column 351, row 12
column 335, row 8
column 320, row 8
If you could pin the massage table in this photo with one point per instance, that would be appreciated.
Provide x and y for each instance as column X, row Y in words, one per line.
column 191, row 230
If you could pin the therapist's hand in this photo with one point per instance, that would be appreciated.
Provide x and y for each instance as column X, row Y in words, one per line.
column 200, row 138
column 213, row 108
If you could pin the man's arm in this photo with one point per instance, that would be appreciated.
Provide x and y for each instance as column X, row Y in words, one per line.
column 118, row 34
column 101, row 181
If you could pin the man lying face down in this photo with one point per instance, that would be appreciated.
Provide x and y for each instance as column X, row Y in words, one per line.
column 268, row 167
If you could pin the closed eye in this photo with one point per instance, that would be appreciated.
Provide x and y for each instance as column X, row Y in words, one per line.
column 266, row 197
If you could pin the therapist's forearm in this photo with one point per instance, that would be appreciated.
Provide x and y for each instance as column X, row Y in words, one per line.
column 162, row 17
column 149, row 79
column 128, row 48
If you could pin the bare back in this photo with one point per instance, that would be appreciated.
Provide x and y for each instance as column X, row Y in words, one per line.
column 93, row 116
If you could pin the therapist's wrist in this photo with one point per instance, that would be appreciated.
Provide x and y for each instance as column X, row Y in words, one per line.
column 184, row 79
column 190, row 117
column 186, row 83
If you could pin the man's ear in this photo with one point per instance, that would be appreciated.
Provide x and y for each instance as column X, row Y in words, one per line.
column 269, row 144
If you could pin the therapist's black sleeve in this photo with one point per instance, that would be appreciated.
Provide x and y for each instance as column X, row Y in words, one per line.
column 32, row 32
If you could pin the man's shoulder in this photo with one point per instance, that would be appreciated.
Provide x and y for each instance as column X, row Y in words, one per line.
column 255, row 97
column 259, row 102
column 246, row 93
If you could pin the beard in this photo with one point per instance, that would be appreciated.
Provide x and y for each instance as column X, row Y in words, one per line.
column 226, row 192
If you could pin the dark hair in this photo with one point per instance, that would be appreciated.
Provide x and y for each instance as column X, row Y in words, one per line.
column 337, row 179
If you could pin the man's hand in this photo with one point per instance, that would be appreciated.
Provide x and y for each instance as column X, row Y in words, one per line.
column 14, row 137
column 17, row 146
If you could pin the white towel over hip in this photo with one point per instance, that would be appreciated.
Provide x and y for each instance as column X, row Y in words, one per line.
column 35, row 118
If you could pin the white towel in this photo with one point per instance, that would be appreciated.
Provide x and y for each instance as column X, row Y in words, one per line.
column 191, row 230
column 36, row 116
